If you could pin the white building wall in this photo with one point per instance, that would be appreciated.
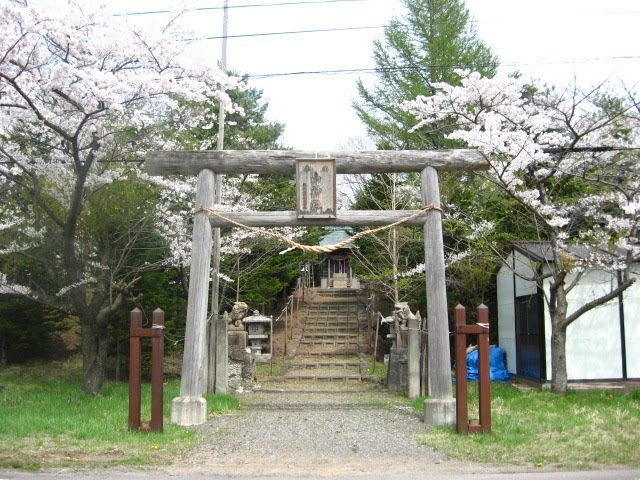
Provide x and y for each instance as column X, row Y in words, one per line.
column 593, row 345
column 507, row 317
column 631, row 301
column 525, row 273
column 593, row 341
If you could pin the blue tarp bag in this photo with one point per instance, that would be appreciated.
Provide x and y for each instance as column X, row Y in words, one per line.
column 498, row 371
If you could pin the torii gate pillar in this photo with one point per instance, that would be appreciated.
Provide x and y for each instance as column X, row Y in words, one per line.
column 190, row 408
column 440, row 407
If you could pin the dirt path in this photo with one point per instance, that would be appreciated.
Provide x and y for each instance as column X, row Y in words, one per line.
column 321, row 433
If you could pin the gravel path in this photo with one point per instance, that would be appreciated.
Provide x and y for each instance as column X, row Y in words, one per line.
column 319, row 433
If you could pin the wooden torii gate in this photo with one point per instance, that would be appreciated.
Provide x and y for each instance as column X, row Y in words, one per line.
column 190, row 408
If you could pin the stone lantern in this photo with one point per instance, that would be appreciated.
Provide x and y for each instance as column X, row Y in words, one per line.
column 257, row 332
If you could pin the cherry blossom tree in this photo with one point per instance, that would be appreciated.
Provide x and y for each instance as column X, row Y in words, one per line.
column 569, row 160
column 80, row 91
column 247, row 128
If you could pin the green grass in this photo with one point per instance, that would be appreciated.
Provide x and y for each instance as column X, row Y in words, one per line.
column 377, row 370
column 268, row 370
column 539, row 427
column 46, row 420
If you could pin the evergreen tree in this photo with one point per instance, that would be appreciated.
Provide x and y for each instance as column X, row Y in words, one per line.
column 427, row 45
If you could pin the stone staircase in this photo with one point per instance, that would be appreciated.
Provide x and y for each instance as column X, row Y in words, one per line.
column 332, row 343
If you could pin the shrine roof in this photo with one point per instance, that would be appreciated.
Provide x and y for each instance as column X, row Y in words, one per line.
column 337, row 235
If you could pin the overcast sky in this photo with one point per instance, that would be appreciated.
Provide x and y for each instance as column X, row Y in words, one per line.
column 552, row 40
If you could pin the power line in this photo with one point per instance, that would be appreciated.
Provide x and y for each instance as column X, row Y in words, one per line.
column 318, row 30
column 250, row 5
column 410, row 68
column 291, row 32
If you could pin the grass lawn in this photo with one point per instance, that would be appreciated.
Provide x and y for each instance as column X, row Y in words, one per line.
column 540, row 428
column 47, row 421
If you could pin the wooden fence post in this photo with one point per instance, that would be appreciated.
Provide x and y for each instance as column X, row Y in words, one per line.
column 481, row 329
column 157, row 370
column 135, row 370
column 156, row 333
column 484, row 370
column 462, row 419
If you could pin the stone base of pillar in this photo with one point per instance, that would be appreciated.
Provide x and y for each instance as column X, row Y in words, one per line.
column 188, row 411
column 440, row 412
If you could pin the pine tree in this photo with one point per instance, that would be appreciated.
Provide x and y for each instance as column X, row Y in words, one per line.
column 428, row 44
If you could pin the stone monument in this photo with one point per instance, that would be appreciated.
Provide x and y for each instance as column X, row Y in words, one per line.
column 242, row 363
column 398, row 371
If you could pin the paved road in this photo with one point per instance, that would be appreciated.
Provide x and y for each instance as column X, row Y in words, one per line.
column 430, row 475
column 329, row 435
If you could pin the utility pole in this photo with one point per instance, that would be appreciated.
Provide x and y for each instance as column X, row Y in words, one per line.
column 217, row 364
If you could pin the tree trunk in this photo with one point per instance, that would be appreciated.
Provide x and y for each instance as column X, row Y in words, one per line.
column 118, row 361
column 95, row 342
column 3, row 349
column 558, row 342
column 559, row 360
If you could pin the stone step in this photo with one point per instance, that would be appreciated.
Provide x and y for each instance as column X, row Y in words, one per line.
column 328, row 377
column 334, row 325
column 335, row 307
column 329, row 347
column 326, row 357
column 330, row 341
column 331, row 330
column 330, row 322
column 337, row 335
column 334, row 364
column 324, row 351
column 332, row 316
column 338, row 292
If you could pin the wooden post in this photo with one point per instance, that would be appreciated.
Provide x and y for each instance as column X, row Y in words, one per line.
column 156, row 333
column 413, row 355
column 135, row 370
column 481, row 329
column 375, row 342
column 439, row 407
column 286, row 329
column 191, row 407
column 424, row 367
column 157, row 371
column 218, row 340
column 462, row 412
column 221, row 345
column 484, row 370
